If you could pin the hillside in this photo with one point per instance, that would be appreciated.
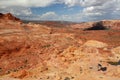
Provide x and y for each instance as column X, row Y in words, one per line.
column 40, row 52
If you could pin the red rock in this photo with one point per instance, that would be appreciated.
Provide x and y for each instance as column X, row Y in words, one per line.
column 100, row 25
column 9, row 16
column 56, row 53
column 21, row 74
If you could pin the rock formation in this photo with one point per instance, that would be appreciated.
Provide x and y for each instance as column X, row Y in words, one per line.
column 100, row 25
column 9, row 16
column 38, row 52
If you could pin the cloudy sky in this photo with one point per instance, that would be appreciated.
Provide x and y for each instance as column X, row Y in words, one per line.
column 67, row 10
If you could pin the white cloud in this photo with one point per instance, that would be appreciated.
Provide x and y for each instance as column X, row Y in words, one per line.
column 88, row 3
column 26, row 3
column 92, row 9
column 37, row 3
column 16, row 10
column 70, row 3
column 54, row 16
column 102, row 9
column 49, row 16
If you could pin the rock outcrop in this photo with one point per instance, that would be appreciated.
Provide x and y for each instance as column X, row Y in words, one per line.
column 9, row 21
column 9, row 16
column 100, row 25
column 96, row 44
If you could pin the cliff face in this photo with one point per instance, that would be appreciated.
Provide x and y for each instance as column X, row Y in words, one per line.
column 101, row 25
column 38, row 52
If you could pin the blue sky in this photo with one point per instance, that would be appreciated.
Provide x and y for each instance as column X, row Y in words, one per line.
column 60, row 9
column 67, row 10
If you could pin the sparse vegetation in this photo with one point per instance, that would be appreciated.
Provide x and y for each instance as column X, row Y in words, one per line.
column 46, row 46
column 101, row 68
column 114, row 63
column 67, row 78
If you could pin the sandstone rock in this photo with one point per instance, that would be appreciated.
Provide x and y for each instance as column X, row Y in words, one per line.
column 116, row 50
column 20, row 74
column 9, row 16
column 96, row 44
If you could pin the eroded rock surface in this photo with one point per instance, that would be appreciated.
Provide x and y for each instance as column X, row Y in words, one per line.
column 36, row 52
